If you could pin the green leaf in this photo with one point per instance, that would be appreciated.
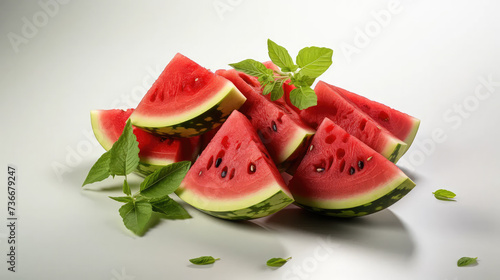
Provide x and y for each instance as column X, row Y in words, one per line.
column 165, row 180
column 299, row 80
column 124, row 153
column 253, row 68
column 464, row 261
column 123, row 199
column 277, row 262
column 277, row 91
column 443, row 194
column 136, row 215
column 303, row 97
column 280, row 56
column 314, row 61
column 268, row 88
column 203, row 260
column 170, row 209
column 126, row 188
column 100, row 170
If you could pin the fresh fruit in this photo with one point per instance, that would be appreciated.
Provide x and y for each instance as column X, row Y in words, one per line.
column 234, row 178
column 186, row 100
column 280, row 129
column 342, row 176
column 155, row 152
column 401, row 125
column 345, row 114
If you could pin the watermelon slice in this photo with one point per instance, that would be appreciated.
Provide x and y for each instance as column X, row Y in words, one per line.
column 155, row 152
column 234, row 177
column 344, row 113
column 281, row 130
column 401, row 125
column 186, row 100
column 342, row 176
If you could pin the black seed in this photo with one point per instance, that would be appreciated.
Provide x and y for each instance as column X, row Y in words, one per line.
column 275, row 128
column 320, row 169
column 361, row 164
column 224, row 173
column 351, row 170
column 218, row 162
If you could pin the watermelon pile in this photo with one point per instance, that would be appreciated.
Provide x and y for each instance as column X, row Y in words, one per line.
column 341, row 152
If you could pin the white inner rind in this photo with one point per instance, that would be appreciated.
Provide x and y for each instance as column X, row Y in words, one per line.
column 208, row 203
column 105, row 142
column 357, row 200
column 228, row 90
column 409, row 139
column 299, row 136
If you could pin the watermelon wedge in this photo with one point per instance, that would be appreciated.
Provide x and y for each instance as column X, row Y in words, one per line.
column 401, row 125
column 348, row 116
column 186, row 100
column 280, row 129
column 155, row 152
column 342, row 176
column 234, row 177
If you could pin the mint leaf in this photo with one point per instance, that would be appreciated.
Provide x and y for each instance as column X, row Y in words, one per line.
column 126, row 188
column 136, row 215
column 203, row 260
column 170, row 209
column 124, row 153
column 303, row 97
column 277, row 91
column 464, row 261
column 443, row 194
column 314, row 61
column 280, row 56
column 299, row 80
column 123, row 199
column 277, row 262
column 100, row 170
column 268, row 88
column 165, row 180
column 253, row 68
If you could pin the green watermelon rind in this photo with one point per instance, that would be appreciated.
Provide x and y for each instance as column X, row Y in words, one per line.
column 213, row 113
column 273, row 198
column 394, row 149
column 377, row 203
column 265, row 208
column 295, row 148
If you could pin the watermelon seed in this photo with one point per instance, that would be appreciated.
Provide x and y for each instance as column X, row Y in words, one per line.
column 320, row 169
column 224, row 172
column 199, row 174
column 351, row 170
column 275, row 128
column 231, row 175
column 361, row 164
column 311, row 147
column 218, row 162
column 368, row 159
column 251, row 168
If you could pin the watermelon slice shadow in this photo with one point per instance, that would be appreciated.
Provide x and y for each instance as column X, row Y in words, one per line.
column 381, row 232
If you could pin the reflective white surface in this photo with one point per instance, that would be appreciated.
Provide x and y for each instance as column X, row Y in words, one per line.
column 438, row 61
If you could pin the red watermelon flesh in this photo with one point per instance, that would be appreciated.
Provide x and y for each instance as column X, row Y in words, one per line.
column 154, row 150
column 399, row 124
column 279, row 128
column 234, row 175
column 348, row 116
column 342, row 176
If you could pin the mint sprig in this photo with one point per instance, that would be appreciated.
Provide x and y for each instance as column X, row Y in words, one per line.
column 277, row 262
column 153, row 195
column 309, row 64
column 203, row 260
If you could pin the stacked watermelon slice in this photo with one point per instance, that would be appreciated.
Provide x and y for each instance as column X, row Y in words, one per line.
column 341, row 153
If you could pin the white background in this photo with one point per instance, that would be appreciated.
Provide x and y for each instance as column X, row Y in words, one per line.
column 427, row 58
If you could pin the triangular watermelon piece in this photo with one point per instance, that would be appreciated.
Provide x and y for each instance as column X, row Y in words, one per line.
column 342, row 176
column 234, row 177
column 401, row 125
